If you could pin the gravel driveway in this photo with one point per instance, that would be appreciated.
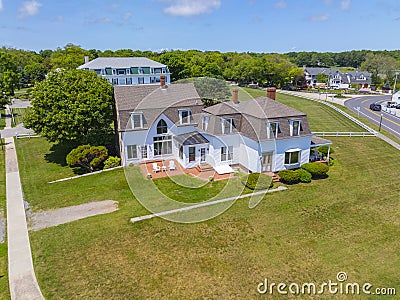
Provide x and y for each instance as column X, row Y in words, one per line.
column 44, row 219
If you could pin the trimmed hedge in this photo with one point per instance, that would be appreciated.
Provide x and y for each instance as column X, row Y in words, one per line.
column 257, row 181
column 112, row 162
column 316, row 169
column 304, row 176
column 289, row 176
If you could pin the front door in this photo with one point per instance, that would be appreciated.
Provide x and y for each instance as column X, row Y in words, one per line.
column 203, row 155
column 266, row 162
column 192, row 154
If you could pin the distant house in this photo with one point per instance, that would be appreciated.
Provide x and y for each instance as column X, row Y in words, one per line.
column 337, row 79
column 128, row 70
column 396, row 97
column 169, row 122
column 360, row 79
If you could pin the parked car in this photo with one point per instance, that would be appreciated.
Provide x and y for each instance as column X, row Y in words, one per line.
column 375, row 106
column 398, row 106
column 391, row 104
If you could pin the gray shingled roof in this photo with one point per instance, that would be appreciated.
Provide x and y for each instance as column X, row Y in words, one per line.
column 152, row 100
column 318, row 141
column 120, row 63
column 191, row 138
column 250, row 118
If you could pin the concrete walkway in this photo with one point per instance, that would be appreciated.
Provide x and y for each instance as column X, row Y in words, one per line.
column 49, row 218
column 22, row 279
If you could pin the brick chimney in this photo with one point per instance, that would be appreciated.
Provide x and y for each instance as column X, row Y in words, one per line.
column 271, row 93
column 235, row 96
column 86, row 59
column 162, row 81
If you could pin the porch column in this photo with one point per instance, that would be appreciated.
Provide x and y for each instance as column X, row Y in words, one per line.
column 327, row 157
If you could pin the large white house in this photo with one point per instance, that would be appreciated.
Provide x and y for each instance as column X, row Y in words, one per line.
column 169, row 122
column 128, row 70
column 336, row 79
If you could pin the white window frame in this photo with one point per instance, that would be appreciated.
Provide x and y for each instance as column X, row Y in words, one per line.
column 128, row 80
column 290, row 153
column 206, row 121
column 292, row 133
column 226, row 153
column 269, row 130
column 230, row 121
column 144, row 150
column 133, row 150
column 133, row 115
column 181, row 119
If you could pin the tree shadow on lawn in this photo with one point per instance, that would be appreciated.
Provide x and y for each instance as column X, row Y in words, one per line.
column 58, row 153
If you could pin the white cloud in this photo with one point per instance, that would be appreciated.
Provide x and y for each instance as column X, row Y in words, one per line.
column 187, row 8
column 29, row 8
column 345, row 4
column 104, row 20
column 1, row 5
column 59, row 19
column 127, row 16
column 319, row 18
column 281, row 4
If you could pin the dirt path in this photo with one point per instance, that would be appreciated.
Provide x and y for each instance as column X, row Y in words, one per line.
column 44, row 219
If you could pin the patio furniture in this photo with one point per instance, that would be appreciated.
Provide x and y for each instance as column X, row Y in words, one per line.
column 171, row 165
column 164, row 168
column 156, row 168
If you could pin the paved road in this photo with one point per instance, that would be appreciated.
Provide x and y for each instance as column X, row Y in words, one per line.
column 389, row 122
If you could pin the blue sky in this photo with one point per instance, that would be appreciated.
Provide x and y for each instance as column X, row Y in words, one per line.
column 225, row 25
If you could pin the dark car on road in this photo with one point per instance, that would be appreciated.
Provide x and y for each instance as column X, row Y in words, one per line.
column 375, row 106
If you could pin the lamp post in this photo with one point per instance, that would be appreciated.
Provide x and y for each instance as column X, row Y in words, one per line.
column 380, row 123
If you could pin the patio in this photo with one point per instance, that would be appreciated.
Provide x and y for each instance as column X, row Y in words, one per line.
column 203, row 172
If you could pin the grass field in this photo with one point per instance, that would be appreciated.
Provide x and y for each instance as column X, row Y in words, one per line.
column 320, row 117
column 348, row 222
column 4, row 291
column 19, row 114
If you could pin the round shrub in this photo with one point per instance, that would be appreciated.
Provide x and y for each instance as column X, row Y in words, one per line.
column 289, row 176
column 304, row 176
column 316, row 169
column 257, row 181
column 112, row 162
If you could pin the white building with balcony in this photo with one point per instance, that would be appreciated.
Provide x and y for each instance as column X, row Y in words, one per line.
column 128, row 70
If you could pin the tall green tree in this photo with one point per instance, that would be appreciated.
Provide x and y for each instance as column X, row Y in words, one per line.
column 382, row 67
column 72, row 106
column 9, row 75
column 70, row 57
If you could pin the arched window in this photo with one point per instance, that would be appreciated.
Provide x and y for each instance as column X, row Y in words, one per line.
column 162, row 127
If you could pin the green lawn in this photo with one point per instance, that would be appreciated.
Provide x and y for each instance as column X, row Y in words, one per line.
column 19, row 114
column 320, row 117
column 4, row 290
column 22, row 93
column 348, row 222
